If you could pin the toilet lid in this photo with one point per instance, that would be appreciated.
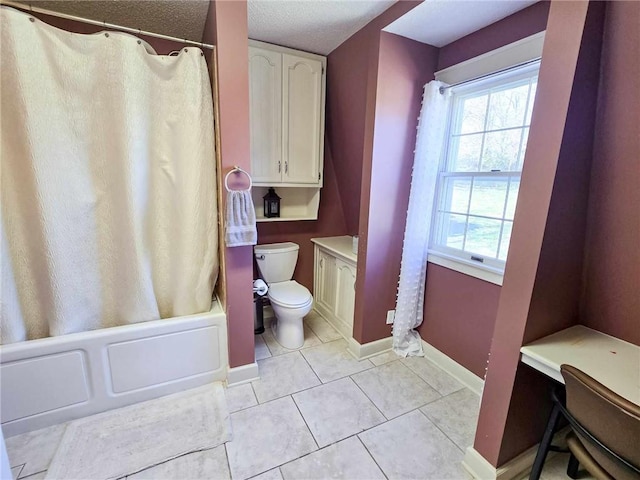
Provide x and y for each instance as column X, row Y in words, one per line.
column 289, row 294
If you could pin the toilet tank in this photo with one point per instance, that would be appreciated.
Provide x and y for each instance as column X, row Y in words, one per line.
column 276, row 261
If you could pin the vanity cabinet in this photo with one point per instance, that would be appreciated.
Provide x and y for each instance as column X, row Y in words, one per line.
column 334, row 285
column 286, row 104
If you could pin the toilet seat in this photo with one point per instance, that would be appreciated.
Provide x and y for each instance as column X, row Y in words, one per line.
column 289, row 294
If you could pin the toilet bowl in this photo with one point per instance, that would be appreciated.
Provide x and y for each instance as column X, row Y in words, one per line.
column 290, row 300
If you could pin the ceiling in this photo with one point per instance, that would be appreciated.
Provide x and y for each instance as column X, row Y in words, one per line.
column 440, row 22
column 177, row 18
column 317, row 26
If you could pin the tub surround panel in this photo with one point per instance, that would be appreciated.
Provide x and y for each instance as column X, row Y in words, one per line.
column 56, row 379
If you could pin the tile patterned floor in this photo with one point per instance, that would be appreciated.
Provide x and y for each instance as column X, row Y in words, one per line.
column 317, row 413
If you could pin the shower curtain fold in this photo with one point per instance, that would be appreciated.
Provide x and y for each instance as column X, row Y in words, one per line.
column 108, row 212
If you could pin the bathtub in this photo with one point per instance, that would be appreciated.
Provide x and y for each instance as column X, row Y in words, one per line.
column 52, row 380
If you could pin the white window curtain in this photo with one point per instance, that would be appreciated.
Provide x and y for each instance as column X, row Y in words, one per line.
column 432, row 125
column 108, row 212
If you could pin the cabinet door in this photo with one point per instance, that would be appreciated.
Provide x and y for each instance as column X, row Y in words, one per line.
column 265, row 107
column 301, row 117
column 346, row 291
column 326, row 286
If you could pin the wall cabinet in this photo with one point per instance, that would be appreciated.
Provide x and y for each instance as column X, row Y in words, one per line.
column 334, row 288
column 287, row 103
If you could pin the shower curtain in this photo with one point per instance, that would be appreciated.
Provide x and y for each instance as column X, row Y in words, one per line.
column 108, row 212
column 413, row 268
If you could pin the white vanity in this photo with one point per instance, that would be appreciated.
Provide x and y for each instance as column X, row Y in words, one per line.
column 334, row 285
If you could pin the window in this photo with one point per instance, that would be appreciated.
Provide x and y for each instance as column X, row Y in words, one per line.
column 480, row 175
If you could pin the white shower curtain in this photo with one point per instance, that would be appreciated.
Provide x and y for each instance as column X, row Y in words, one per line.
column 413, row 269
column 108, row 212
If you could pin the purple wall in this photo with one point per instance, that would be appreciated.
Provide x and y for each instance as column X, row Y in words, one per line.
column 460, row 310
column 404, row 67
column 610, row 300
column 226, row 27
column 515, row 27
column 539, row 293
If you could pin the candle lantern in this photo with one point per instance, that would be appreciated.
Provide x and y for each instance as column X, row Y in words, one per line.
column 271, row 204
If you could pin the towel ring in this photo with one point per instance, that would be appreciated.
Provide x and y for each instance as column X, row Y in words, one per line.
column 236, row 169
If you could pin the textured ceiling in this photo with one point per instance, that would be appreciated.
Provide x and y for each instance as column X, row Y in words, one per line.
column 440, row 22
column 177, row 18
column 317, row 26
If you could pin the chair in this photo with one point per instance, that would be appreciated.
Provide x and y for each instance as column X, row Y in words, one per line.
column 605, row 436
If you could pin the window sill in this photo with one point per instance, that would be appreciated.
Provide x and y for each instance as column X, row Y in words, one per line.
column 487, row 274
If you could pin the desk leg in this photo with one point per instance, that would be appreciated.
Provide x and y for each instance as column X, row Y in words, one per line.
column 543, row 449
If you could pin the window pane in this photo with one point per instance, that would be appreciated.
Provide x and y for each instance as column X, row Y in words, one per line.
column 483, row 236
column 472, row 113
column 456, row 194
column 488, row 196
column 532, row 98
column 506, row 238
column 507, row 107
column 514, row 188
column 500, row 150
column 452, row 233
column 517, row 166
column 465, row 153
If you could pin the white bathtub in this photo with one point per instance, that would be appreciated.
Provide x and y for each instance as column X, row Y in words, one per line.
column 53, row 380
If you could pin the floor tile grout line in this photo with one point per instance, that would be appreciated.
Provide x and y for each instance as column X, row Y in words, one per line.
column 427, row 382
column 368, row 398
column 371, row 454
column 226, row 456
column 19, row 471
column 441, row 430
column 305, row 423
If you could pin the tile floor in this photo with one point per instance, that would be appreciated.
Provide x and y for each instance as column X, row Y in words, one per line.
column 317, row 413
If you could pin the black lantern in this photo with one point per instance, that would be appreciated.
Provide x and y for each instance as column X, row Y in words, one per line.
column 271, row 204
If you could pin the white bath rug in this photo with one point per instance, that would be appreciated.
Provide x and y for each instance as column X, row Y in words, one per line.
column 127, row 440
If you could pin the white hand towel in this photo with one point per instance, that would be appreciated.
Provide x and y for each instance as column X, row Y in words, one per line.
column 241, row 219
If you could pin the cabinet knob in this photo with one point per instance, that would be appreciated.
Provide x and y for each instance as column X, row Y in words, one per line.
column 321, row 262
column 279, row 166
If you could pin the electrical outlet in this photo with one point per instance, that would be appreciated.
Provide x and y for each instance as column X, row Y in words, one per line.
column 391, row 315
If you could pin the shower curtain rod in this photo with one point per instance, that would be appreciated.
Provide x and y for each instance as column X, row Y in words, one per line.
column 135, row 31
column 488, row 75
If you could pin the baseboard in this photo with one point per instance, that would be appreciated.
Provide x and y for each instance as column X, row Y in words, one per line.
column 453, row 368
column 242, row 374
column 370, row 349
column 515, row 469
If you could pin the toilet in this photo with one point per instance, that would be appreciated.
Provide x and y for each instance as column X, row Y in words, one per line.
column 290, row 300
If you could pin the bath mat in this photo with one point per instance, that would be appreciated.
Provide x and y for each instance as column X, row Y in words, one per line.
column 124, row 441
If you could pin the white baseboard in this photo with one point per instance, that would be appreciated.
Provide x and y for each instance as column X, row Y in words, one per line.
column 453, row 368
column 242, row 374
column 515, row 469
column 366, row 350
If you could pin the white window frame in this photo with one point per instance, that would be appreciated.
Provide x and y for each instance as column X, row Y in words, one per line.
column 489, row 269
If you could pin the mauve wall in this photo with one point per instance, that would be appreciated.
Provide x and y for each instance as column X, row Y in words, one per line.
column 460, row 310
column 610, row 300
column 404, row 66
column 522, row 24
column 549, row 217
column 226, row 27
column 351, row 84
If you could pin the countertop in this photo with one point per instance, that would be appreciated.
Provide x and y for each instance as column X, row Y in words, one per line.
column 341, row 246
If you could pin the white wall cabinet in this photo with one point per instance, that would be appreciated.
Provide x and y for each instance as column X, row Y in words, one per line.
column 287, row 103
column 334, row 288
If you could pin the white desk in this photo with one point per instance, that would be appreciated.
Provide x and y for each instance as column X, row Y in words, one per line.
column 611, row 361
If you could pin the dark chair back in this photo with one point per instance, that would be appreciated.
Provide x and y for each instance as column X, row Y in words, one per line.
column 613, row 420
